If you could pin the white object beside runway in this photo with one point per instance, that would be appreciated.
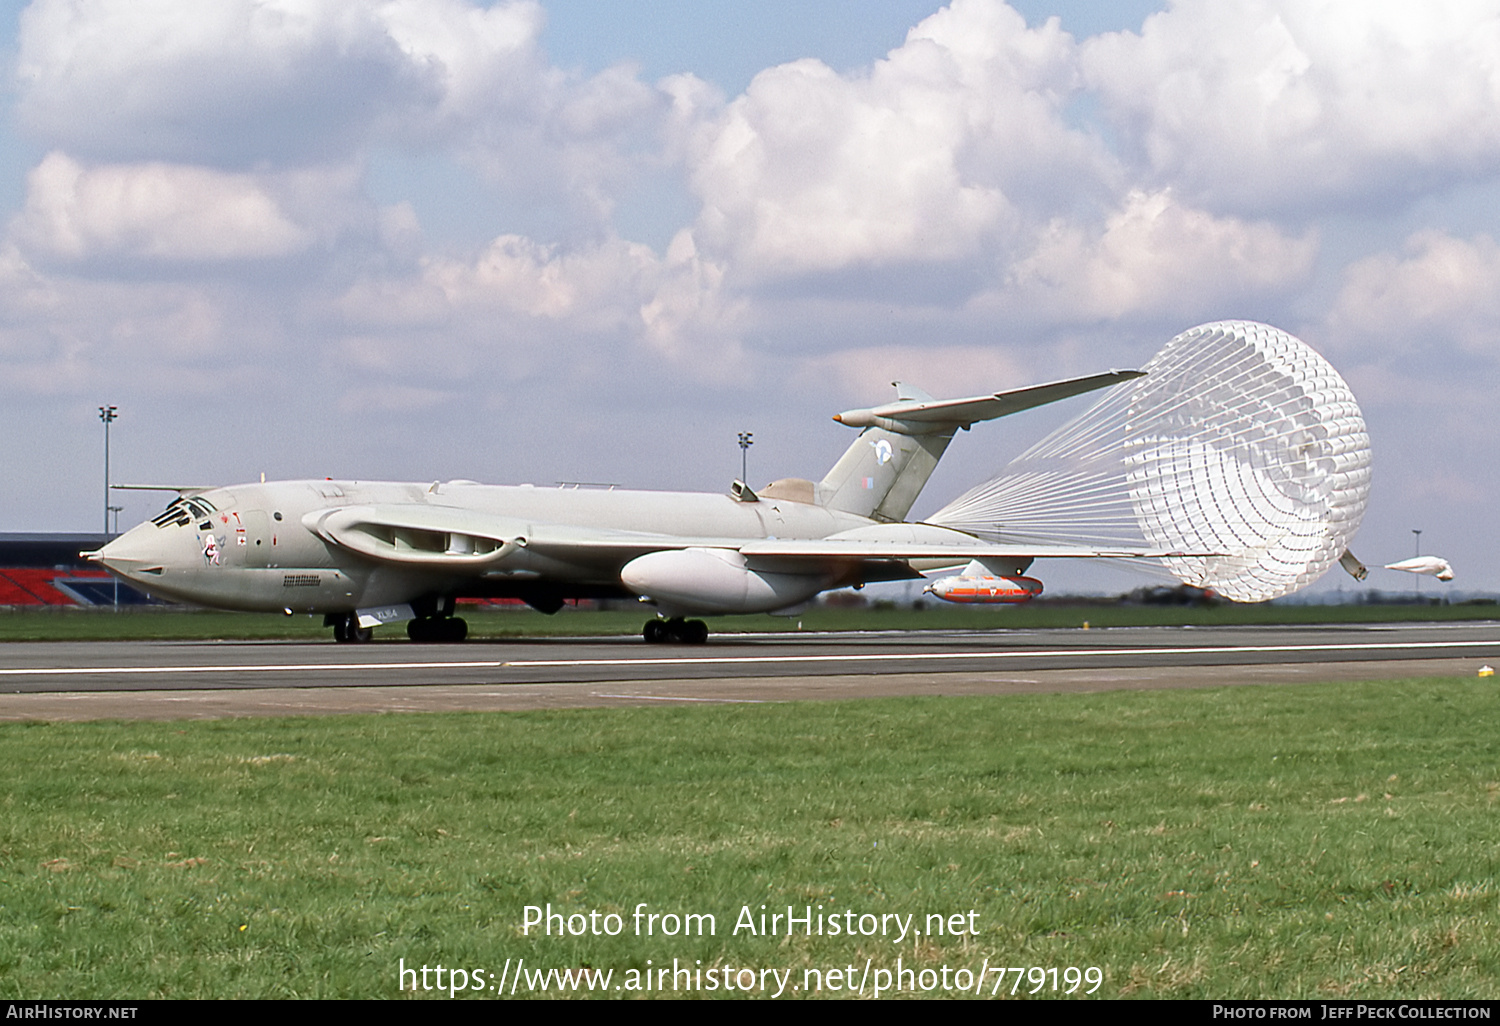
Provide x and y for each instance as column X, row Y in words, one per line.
column 1431, row 566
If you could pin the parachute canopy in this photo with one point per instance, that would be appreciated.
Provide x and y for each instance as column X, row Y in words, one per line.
column 1240, row 444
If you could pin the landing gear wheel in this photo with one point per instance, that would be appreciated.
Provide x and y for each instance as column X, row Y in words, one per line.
column 675, row 631
column 346, row 630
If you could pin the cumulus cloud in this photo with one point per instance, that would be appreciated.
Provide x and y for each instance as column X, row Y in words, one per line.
column 533, row 305
column 154, row 211
column 691, row 312
column 227, row 83
column 956, row 165
column 257, row 84
column 589, row 288
column 1439, row 292
column 520, row 276
column 924, row 157
column 63, row 335
column 1260, row 105
column 1153, row 256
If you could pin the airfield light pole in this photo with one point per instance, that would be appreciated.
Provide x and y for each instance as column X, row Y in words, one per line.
column 747, row 439
column 108, row 415
column 113, row 579
column 1418, row 533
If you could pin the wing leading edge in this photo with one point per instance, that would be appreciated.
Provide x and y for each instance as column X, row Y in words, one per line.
column 457, row 540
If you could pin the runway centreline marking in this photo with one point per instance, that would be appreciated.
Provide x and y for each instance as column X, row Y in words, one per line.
column 1387, row 646
column 74, row 671
column 1043, row 653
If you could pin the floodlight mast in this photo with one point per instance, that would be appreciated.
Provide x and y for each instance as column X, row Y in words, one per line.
column 108, row 415
column 747, row 439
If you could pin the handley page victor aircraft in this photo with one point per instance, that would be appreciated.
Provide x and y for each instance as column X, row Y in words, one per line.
column 365, row 553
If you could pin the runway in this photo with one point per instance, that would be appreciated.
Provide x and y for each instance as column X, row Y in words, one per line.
column 171, row 680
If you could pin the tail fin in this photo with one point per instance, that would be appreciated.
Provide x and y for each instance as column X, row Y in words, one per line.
column 883, row 472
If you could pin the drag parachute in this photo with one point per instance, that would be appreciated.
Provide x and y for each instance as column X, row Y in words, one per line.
column 1240, row 444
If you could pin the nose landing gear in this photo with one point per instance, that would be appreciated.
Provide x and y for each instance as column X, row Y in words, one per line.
column 346, row 629
column 435, row 623
column 676, row 631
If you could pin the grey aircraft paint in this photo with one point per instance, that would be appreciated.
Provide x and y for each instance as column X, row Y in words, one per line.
column 369, row 552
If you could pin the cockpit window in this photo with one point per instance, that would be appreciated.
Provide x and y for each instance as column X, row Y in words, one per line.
column 182, row 511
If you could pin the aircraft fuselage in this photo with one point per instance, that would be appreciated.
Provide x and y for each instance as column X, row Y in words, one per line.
column 371, row 553
column 249, row 547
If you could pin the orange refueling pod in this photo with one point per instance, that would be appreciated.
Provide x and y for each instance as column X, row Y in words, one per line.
column 1008, row 590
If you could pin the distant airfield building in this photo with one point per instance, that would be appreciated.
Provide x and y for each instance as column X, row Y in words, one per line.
column 45, row 569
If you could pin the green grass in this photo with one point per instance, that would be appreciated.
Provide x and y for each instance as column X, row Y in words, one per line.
column 176, row 624
column 1311, row 841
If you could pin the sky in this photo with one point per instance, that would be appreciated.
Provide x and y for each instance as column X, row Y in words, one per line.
column 593, row 240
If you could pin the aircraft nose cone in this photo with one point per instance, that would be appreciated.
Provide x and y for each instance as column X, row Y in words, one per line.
column 134, row 553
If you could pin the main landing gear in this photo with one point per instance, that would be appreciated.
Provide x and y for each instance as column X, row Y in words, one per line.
column 346, row 629
column 676, row 631
column 435, row 622
column 438, row 625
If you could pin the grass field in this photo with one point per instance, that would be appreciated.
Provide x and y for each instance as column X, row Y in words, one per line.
column 75, row 624
column 1316, row 841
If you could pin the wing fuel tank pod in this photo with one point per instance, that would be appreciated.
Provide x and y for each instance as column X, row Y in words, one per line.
column 979, row 584
column 710, row 581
